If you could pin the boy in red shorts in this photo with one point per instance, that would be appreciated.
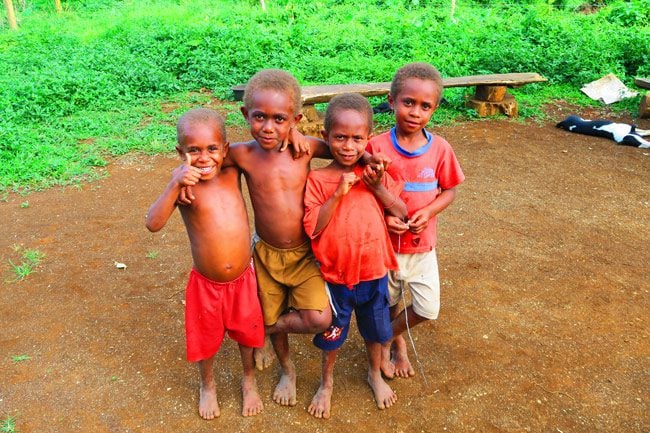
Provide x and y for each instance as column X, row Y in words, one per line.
column 221, row 293
column 344, row 217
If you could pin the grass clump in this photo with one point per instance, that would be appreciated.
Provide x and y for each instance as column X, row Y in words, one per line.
column 30, row 260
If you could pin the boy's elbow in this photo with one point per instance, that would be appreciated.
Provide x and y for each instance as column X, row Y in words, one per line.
column 153, row 225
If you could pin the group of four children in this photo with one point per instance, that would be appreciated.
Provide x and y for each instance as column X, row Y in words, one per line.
column 343, row 238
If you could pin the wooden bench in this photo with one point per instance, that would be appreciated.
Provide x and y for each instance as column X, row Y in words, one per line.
column 644, row 107
column 490, row 97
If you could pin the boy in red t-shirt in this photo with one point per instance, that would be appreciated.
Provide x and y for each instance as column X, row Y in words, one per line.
column 345, row 220
column 430, row 171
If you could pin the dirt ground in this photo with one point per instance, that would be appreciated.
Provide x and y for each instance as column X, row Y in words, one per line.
column 544, row 325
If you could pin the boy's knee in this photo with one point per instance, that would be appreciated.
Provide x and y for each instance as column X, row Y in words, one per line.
column 427, row 312
column 317, row 321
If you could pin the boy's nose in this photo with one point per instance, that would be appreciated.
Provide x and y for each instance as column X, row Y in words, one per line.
column 267, row 126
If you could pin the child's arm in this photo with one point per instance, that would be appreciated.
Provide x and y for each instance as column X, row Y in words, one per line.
column 391, row 201
column 329, row 207
column 161, row 210
column 304, row 145
column 420, row 218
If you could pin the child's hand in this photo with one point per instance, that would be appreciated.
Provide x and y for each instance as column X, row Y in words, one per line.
column 346, row 183
column 372, row 174
column 396, row 225
column 299, row 144
column 186, row 176
column 381, row 159
column 419, row 221
column 185, row 197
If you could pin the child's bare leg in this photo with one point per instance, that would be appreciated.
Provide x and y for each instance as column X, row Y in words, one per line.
column 303, row 322
column 251, row 401
column 400, row 359
column 208, row 406
column 387, row 366
column 321, row 403
column 264, row 356
column 384, row 395
column 285, row 391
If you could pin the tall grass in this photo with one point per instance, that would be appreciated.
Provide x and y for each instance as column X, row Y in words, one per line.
column 78, row 87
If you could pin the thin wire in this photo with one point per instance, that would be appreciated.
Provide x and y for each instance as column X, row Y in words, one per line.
column 406, row 316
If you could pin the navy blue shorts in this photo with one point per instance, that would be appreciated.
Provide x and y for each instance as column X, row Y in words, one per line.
column 369, row 301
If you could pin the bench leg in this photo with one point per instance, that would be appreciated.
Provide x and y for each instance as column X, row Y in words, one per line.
column 491, row 100
column 644, row 107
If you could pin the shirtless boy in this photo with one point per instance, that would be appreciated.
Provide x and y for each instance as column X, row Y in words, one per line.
column 344, row 216
column 222, row 281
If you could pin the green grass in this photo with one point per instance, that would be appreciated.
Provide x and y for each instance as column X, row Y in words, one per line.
column 106, row 78
column 20, row 358
column 8, row 425
column 152, row 254
column 30, row 260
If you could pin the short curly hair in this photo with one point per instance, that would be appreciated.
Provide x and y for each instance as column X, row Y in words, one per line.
column 273, row 79
column 421, row 70
column 348, row 101
column 199, row 116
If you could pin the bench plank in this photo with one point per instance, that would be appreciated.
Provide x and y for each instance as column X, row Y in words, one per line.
column 323, row 93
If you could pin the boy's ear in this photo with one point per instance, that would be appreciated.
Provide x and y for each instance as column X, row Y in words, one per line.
column 244, row 111
column 297, row 118
column 324, row 134
column 181, row 152
column 226, row 148
column 390, row 101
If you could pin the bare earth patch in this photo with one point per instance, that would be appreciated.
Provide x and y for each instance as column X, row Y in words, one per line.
column 544, row 325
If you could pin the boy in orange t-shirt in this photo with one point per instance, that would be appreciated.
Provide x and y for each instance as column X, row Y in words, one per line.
column 345, row 220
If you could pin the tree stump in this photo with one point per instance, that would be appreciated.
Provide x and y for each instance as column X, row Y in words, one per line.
column 311, row 122
column 507, row 106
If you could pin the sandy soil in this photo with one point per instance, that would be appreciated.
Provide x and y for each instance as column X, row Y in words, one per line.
column 544, row 324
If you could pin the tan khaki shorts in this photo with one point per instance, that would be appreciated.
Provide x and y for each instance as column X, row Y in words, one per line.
column 419, row 273
column 287, row 278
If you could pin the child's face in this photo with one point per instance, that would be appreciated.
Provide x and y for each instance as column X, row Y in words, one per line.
column 270, row 116
column 348, row 137
column 414, row 104
column 206, row 149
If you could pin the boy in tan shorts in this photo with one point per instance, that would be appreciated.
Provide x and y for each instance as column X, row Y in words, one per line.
column 291, row 290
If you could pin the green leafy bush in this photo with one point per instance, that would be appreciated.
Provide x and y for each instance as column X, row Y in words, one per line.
column 86, row 84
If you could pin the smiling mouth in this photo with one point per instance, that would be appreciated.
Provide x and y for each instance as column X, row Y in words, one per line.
column 206, row 170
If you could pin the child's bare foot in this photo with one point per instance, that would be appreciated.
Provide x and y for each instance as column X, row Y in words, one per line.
column 400, row 359
column 387, row 367
column 384, row 395
column 321, row 404
column 251, row 401
column 208, row 406
column 264, row 356
column 285, row 391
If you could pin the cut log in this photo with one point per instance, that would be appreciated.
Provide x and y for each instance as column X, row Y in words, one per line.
column 644, row 107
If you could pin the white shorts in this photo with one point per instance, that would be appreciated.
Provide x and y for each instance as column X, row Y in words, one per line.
column 419, row 273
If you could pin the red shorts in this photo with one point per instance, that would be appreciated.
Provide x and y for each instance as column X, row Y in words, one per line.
column 212, row 308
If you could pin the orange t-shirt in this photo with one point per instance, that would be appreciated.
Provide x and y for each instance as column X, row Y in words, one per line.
column 354, row 246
